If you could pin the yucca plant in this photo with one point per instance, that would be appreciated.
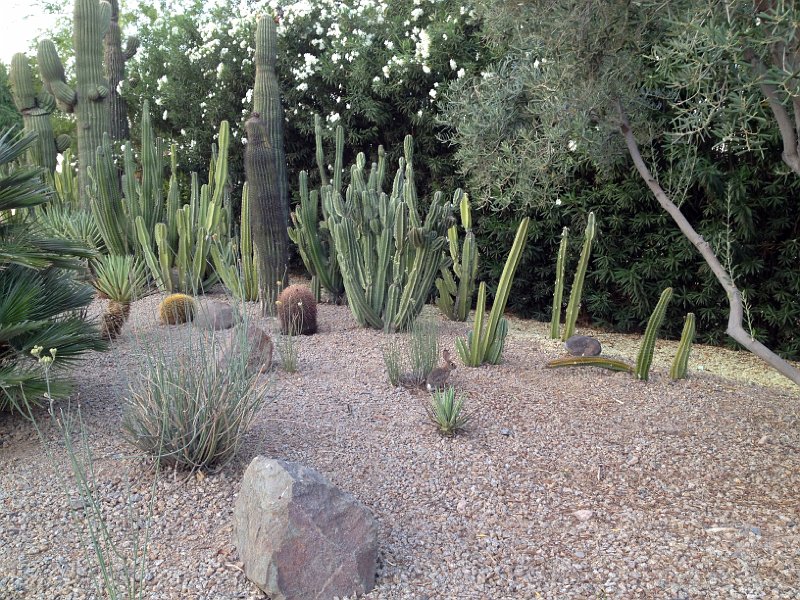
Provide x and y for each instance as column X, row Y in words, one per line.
column 446, row 410
column 121, row 279
column 40, row 297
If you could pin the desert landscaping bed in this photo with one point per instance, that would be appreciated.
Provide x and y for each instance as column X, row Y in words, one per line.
column 568, row 483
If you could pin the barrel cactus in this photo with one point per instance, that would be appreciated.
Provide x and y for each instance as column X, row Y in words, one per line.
column 297, row 311
column 176, row 309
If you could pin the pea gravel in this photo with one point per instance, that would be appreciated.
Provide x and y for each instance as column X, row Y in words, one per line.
column 569, row 483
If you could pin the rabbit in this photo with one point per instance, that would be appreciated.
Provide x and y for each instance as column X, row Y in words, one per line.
column 438, row 377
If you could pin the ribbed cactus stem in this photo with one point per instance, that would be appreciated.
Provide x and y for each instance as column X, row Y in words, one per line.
column 115, row 58
column 35, row 109
column 267, row 211
column 558, row 292
column 590, row 361
column 574, row 305
column 89, row 98
column 645, row 357
column 455, row 299
column 680, row 363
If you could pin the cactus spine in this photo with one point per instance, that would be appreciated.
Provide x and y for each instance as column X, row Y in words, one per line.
column 558, row 292
column 645, row 357
column 88, row 100
column 455, row 300
column 575, row 293
column 388, row 257
column 36, row 109
column 486, row 345
column 680, row 363
column 115, row 59
column 312, row 234
column 265, row 169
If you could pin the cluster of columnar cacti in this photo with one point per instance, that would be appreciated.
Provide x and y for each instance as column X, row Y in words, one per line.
column 311, row 231
column 575, row 293
column 645, row 357
column 88, row 100
column 236, row 263
column 36, row 109
column 388, row 256
column 455, row 299
column 558, row 292
column 681, row 361
column 485, row 344
column 265, row 169
column 115, row 58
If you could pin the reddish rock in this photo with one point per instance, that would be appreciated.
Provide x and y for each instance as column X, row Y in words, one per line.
column 301, row 537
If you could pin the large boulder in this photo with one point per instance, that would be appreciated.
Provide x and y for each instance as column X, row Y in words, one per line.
column 300, row 537
column 215, row 316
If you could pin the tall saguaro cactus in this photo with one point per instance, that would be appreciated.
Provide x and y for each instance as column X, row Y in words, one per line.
column 265, row 167
column 36, row 109
column 115, row 58
column 88, row 100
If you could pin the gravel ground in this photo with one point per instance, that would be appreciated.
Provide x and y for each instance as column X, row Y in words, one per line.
column 568, row 484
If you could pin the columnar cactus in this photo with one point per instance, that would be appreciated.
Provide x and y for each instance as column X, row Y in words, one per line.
column 645, row 357
column 455, row 299
column 236, row 264
column 265, row 167
column 389, row 258
column 681, row 361
column 89, row 98
column 575, row 293
column 310, row 230
column 115, row 59
column 558, row 292
column 36, row 109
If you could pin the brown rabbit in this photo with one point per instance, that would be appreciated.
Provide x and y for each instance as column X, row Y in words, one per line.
column 438, row 377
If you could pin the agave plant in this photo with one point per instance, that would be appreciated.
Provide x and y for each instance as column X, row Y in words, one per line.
column 121, row 279
column 40, row 297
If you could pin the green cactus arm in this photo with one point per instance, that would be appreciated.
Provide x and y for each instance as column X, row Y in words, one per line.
column 53, row 76
column 574, row 304
column 590, row 361
column 470, row 355
column 20, row 77
column 146, row 246
column 105, row 202
column 558, row 292
column 320, row 153
column 680, row 363
column 645, row 356
column 495, row 352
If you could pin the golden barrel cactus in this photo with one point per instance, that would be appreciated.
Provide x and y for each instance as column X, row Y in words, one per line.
column 176, row 309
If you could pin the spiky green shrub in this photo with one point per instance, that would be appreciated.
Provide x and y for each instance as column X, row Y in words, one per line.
column 446, row 410
column 410, row 359
column 188, row 408
column 40, row 298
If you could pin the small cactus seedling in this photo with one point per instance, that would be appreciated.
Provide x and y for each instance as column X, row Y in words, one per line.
column 176, row 309
column 297, row 311
column 680, row 363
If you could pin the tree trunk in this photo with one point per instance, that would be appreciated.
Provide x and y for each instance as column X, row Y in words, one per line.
column 736, row 313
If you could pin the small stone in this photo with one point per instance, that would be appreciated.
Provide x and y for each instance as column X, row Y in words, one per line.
column 632, row 461
column 583, row 345
column 505, row 431
column 764, row 439
column 580, row 554
column 583, row 515
column 215, row 316
column 461, row 507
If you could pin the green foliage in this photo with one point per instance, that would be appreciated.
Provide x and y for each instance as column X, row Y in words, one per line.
column 455, row 299
column 188, row 408
column 9, row 116
column 410, row 360
column 558, row 288
column 119, row 278
column 446, row 410
column 680, row 363
column 576, row 291
column 645, row 357
column 486, row 345
column 40, row 298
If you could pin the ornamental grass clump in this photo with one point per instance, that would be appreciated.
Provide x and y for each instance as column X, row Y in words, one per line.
column 409, row 362
column 186, row 407
column 446, row 410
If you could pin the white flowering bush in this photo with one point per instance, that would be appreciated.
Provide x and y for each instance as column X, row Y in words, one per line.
column 375, row 66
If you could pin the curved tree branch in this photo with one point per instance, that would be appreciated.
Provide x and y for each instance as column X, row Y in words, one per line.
column 736, row 313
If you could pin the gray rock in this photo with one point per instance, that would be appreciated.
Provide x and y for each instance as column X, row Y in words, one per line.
column 256, row 344
column 583, row 345
column 300, row 537
column 215, row 316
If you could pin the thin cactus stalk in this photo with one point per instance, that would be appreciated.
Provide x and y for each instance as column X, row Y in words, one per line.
column 105, row 202
column 65, row 181
column 574, row 305
column 455, row 299
column 486, row 345
column 89, row 98
column 115, row 58
column 558, row 292
column 310, row 230
column 591, row 361
column 236, row 264
column 680, row 363
column 36, row 110
column 389, row 257
column 645, row 357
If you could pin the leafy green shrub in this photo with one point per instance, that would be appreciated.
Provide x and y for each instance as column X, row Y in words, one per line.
column 446, row 410
column 188, row 408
